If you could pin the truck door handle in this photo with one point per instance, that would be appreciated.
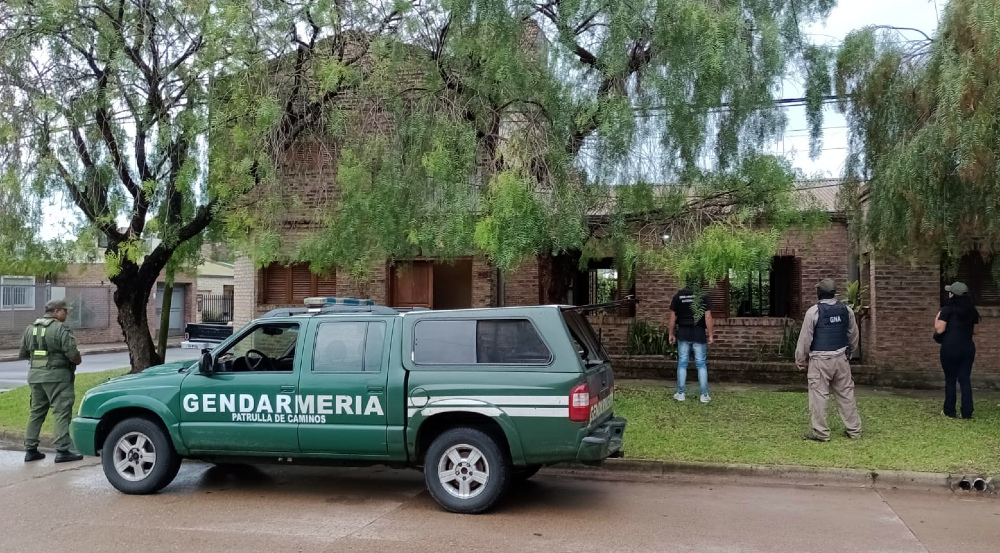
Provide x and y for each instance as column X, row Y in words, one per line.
column 376, row 389
column 288, row 389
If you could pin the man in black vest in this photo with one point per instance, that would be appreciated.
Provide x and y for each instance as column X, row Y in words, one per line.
column 829, row 335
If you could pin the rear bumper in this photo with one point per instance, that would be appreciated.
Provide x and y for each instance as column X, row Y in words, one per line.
column 84, row 430
column 602, row 442
column 199, row 344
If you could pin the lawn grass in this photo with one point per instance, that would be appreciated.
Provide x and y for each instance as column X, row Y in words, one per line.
column 766, row 427
column 15, row 404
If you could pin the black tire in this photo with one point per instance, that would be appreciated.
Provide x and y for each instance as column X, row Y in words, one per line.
column 483, row 495
column 151, row 477
column 522, row 474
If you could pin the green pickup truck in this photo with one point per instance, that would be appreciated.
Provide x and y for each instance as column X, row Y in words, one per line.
column 477, row 398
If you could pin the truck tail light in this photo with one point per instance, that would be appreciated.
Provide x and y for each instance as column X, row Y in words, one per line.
column 580, row 402
column 187, row 336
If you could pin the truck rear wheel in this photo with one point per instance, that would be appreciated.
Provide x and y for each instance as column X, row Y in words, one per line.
column 138, row 457
column 466, row 471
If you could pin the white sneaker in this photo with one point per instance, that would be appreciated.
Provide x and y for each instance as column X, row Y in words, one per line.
column 679, row 396
column 705, row 398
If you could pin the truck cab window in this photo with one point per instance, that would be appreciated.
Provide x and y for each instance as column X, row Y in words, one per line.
column 267, row 348
column 348, row 346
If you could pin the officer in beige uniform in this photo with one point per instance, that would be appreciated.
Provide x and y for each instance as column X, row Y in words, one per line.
column 51, row 347
column 829, row 335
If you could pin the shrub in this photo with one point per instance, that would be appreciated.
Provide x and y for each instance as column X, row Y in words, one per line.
column 646, row 338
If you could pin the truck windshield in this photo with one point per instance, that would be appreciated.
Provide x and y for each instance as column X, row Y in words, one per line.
column 584, row 338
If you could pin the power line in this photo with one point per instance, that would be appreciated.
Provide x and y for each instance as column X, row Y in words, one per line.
column 725, row 106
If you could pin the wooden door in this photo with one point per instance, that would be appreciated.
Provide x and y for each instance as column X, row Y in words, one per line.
column 412, row 285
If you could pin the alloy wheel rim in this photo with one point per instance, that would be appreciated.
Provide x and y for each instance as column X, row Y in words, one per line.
column 463, row 471
column 134, row 456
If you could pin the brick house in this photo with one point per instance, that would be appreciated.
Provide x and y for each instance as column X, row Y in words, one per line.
column 472, row 282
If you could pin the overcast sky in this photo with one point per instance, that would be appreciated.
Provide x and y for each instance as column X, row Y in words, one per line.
column 847, row 16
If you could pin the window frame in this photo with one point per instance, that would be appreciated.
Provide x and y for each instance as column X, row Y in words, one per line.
column 790, row 273
column 239, row 338
column 31, row 295
column 475, row 320
column 364, row 355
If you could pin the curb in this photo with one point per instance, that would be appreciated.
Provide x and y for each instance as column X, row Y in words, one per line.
column 640, row 469
column 16, row 439
column 117, row 348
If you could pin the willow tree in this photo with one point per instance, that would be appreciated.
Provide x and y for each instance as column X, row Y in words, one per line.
column 924, row 119
column 109, row 106
column 538, row 128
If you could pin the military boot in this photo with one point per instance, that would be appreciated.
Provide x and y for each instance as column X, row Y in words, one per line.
column 66, row 456
column 33, row 455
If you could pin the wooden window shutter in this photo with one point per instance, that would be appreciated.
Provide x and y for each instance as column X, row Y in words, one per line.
column 796, row 310
column 326, row 285
column 975, row 273
column 302, row 282
column 718, row 299
column 276, row 283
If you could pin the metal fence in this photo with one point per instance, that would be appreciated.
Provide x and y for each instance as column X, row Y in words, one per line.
column 90, row 307
column 216, row 308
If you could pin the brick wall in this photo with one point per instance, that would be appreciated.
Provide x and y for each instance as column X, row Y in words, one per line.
column 483, row 283
column 748, row 337
column 654, row 289
column 905, row 297
column 244, row 292
column 520, row 287
column 823, row 254
column 375, row 288
column 214, row 285
column 613, row 332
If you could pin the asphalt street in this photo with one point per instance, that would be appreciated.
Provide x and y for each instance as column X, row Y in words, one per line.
column 15, row 373
column 51, row 507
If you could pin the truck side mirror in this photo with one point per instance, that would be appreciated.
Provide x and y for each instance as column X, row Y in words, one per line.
column 206, row 366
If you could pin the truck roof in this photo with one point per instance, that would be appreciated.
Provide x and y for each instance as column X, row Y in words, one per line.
column 372, row 309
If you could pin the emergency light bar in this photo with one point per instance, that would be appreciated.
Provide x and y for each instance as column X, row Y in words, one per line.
column 315, row 303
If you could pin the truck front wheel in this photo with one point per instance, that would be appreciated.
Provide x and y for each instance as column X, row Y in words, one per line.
column 466, row 471
column 138, row 457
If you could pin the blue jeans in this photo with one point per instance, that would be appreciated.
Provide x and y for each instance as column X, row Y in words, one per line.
column 683, row 356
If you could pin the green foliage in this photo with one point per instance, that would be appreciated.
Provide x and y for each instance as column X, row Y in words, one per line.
column 855, row 299
column 924, row 132
column 789, row 340
column 645, row 338
column 512, row 227
column 606, row 288
column 540, row 117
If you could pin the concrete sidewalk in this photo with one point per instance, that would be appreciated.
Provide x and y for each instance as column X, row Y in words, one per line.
column 88, row 349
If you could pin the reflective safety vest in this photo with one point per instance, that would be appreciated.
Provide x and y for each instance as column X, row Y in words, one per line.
column 41, row 355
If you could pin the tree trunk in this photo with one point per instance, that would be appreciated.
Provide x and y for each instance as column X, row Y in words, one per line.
column 168, row 293
column 131, row 297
